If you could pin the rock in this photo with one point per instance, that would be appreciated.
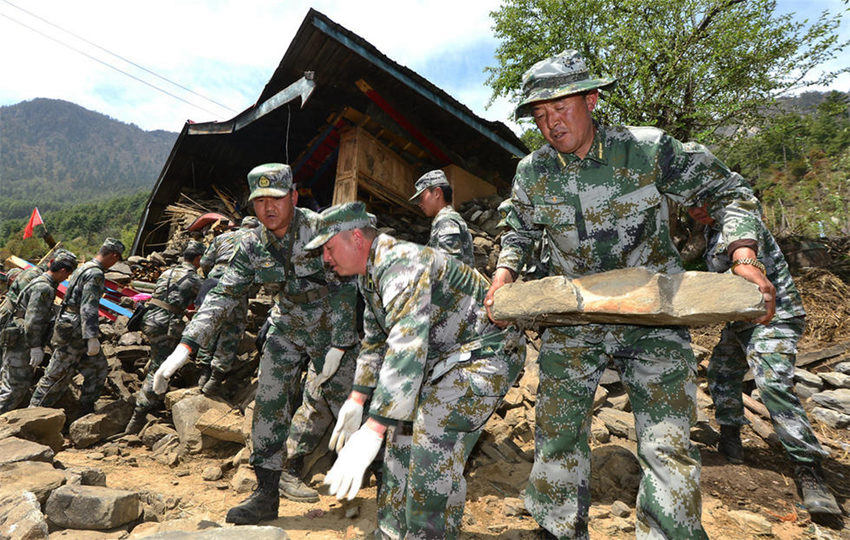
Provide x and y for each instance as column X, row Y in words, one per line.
column 837, row 400
column 240, row 532
column 808, row 378
column 701, row 353
column 186, row 413
column 92, row 507
column 619, row 423
column 167, row 450
column 599, row 397
column 598, row 431
column 842, row 367
column 839, row 380
column 610, row 377
column 225, row 426
column 751, row 523
column 620, row 402
column 620, row 509
column 144, row 530
column 154, row 432
column 703, row 433
column 85, row 476
column 513, row 506
column 122, row 268
column 212, row 473
column 241, row 458
column 38, row 424
column 131, row 338
column 831, row 418
column 37, row 477
column 614, row 474
column 631, row 296
column 20, row 516
column 804, row 391
column 129, row 355
column 181, row 393
column 13, row 449
column 94, row 427
column 244, row 479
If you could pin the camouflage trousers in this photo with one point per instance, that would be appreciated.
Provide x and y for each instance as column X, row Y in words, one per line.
column 423, row 490
column 286, row 355
column 658, row 368
column 221, row 354
column 68, row 357
column 161, row 346
column 771, row 352
column 16, row 377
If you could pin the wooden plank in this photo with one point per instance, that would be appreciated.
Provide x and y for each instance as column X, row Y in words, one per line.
column 465, row 185
column 755, row 406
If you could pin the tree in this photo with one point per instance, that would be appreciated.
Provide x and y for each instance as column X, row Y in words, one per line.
column 686, row 66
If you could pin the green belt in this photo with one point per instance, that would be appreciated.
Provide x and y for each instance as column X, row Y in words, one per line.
column 307, row 297
column 166, row 306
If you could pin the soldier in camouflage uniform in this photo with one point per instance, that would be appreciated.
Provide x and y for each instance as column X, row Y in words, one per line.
column 313, row 321
column 601, row 195
column 217, row 360
column 75, row 334
column 25, row 335
column 770, row 350
column 435, row 366
column 448, row 229
column 162, row 324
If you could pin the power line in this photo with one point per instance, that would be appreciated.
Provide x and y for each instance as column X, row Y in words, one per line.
column 98, row 60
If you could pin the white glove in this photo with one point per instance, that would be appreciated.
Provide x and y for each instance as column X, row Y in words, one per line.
column 92, row 346
column 175, row 361
column 332, row 360
column 346, row 476
column 36, row 357
column 350, row 418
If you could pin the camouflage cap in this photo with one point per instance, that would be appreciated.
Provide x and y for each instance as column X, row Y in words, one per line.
column 342, row 217
column 270, row 180
column 557, row 76
column 193, row 249
column 250, row 222
column 428, row 180
column 63, row 255
column 114, row 245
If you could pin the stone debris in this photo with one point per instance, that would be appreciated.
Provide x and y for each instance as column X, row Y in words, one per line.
column 92, row 507
column 148, row 529
column 224, row 426
column 837, row 400
column 20, row 516
column 13, row 449
column 38, row 424
column 620, row 509
column 838, row 380
column 37, row 477
column 186, row 412
column 751, row 523
column 240, row 532
column 830, row 417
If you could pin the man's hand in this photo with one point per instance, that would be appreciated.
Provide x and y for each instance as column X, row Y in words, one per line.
column 346, row 475
column 36, row 357
column 502, row 276
column 332, row 360
column 755, row 275
column 175, row 361
column 349, row 420
column 92, row 346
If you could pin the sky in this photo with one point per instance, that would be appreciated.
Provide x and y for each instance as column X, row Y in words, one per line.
column 226, row 50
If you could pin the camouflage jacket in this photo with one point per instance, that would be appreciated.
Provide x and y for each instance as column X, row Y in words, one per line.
column 178, row 287
column 23, row 278
column 80, row 307
column 306, row 293
column 424, row 314
column 449, row 233
column 34, row 309
column 610, row 209
column 788, row 301
column 219, row 252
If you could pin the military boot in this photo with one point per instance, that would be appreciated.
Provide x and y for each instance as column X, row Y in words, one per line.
column 816, row 496
column 263, row 503
column 730, row 444
column 291, row 485
column 213, row 387
column 137, row 421
column 205, row 375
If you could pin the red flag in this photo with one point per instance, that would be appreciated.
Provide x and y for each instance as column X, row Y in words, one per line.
column 35, row 219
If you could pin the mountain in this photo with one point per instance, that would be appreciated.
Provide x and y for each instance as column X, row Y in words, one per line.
column 54, row 154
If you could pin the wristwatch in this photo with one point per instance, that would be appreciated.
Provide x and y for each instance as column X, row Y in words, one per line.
column 750, row 261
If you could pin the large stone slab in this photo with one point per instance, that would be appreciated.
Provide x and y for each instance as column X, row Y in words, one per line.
column 186, row 413
column 631, row 296
column 37, row 477
column 92, row 428
column 38, row 424
column 13, row 449
column 92, row 507
column 837, row 400
column 241, row 532
column 20, row 516
column 224, row 426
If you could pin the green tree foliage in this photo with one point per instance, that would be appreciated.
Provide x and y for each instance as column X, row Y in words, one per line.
column 686, row 66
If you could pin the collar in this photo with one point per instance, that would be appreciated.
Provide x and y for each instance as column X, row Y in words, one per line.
column 445, row 210
column 596, row 152
column 377, row 244
column 270, row 240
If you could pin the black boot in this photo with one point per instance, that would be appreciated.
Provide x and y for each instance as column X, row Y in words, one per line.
column 262, row 505
column 212, row 388
column 137, row 421
column 730, row 444
column 292, row 486
column 204, row 376
column 816, row 496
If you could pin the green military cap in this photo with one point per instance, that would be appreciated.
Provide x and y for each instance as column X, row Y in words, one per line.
column 342, row 217
column 558, row 76
column 250, row 222
column 270, row 180
column 193, row 249
column 63, row 255
column 114, row 245
column 428, row 180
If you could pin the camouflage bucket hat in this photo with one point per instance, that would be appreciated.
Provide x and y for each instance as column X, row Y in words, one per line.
column 558, row 76
column 428, row 180
column 270, row 180
column 250, row 222
column 114, row 245
column 339, row 218
column 193, row 249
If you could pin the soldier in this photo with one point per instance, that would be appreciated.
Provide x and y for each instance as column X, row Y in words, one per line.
column 26, row 334
column 217, row 360
column 600, row 193
column 75, row 334
column 312, row 321
column 770, row 350
column 163, row 325
column 448, row 230
column 435, row 366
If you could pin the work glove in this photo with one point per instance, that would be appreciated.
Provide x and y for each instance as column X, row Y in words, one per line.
column 36, row 357
column 346, row 475
column 175, row 361
column 92, row 346
column 349, row 420
column 332, row 360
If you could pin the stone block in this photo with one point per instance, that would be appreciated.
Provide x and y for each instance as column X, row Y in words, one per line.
column 620, row 402
column 244, row 479
column 598, row 431
column 186, row 412
column 619, row 423
column 13, row 449
column 146, row 530
column 808, row 378
column 831, row 418
column 38, row 424
column 614, row 474
column 600, row 396
column 37, row 477
column 837, row 400
column 92, row 428
column 240, row 532
column 842, row 367
column 751, row 523
column 838, row 380
column 154, row 432
column 631, row 296
column 92, row 507
column 20, row 516
column 167, row 450
column 85, row 476
column 224, row 426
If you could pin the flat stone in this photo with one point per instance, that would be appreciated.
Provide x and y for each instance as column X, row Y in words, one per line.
column 614, row 474
column 186, row 412
column 598, row 431
column 181, row 393
column 620, row 402
column 20, row 516
column 842, row 367
column 130, row 354
column 144, row 530
column 154, row 432
column 599, row 397
column 831, row 418
column 85, row 476
column 240, row 532
column 224, row 426
column 38, row 424
column 37, row 477
column 244, row 479
column 619, row 423
column 620, row 509
column 92, row 428
column 212, row 473
column 751, row 523
column 839, row 380
column 808, row 378
column 704, row 433
column 804, row 391
column 167, row 450
column 92, row 507
column 13, row 449
column 837, row 400
column 131, row 338
column 631, row 296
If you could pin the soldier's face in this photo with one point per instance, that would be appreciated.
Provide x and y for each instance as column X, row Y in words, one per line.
column 275, row 213
column 343, row 254
column 566, row 123
column 428, row 202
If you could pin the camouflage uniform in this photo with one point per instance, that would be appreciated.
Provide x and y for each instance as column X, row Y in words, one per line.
column 162, row 327
column 449, row 233
column 76, row 323
column 32, row 317
column 769, row 349
column 313, row 312
column 21, row 279
column 438, row 368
